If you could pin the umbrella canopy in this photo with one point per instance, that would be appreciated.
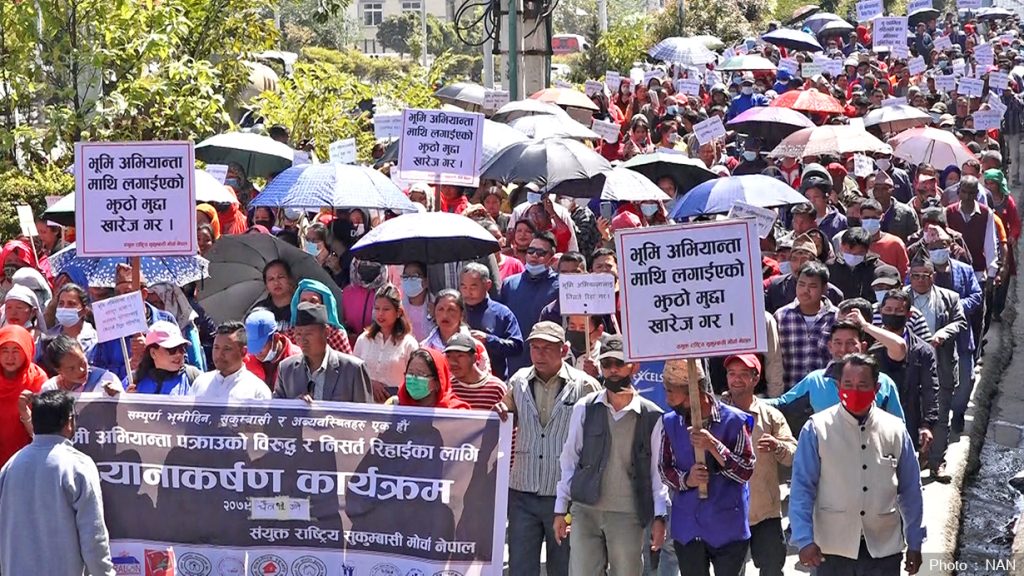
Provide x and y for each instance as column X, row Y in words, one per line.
column 830, row 140
column 710, row 42
column 994, row 13
column 462, row 94
column 689, row 51
column 747, row 62
column 541, row 127
column 835, row 27
column 236, row 273
column 802, row 12
column 520, row 108
column 718, row 196
column 564, row 97
column 547, row 162
column 102, row 272
column 897, row 118
column 819, row 19
column 769, row 122
column 497, row 137
column 686, row 172
column 625, row 185
column 922, row 15
column 314, row 186
column 258, row 155
column 428, row 237
column 808, row 101
column 936, row 147
column 792, row 40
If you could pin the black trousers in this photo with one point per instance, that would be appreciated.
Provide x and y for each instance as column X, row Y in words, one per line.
column 864, row 565
column 696, row 558
column 768, row 546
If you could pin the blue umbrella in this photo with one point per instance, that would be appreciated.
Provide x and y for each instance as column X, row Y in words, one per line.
column 717, row 196
column 314, row 186
column 792, row 40
column 102, row 272
column 428, row 237
column 689, row 51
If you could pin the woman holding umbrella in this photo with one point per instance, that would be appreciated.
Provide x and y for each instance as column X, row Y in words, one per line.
column 387, row 343
column 280, row 285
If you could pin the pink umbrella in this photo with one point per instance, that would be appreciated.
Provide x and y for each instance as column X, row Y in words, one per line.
column 829, row 139
column 564, row 97
column 936, row 147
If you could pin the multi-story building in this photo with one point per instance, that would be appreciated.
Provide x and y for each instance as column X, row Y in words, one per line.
column 370, row 13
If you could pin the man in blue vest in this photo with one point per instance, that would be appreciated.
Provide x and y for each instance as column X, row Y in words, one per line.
column 713, row 531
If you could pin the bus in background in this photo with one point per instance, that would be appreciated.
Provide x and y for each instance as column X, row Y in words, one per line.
column 568, row 44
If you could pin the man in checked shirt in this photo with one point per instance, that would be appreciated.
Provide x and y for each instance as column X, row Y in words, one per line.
column 714, row 531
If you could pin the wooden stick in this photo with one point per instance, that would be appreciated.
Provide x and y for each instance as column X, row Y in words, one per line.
column 136, row 273
column 696, row 418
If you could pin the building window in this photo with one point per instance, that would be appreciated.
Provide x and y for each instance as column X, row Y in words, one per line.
column 373, row 13
column 411, row 6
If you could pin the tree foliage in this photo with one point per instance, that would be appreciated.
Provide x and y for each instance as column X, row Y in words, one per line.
column 578, row 16
column 399, row 32
column 31, row 188
column 308, row 23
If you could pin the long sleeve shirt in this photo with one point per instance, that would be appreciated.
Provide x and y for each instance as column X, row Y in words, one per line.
column 504, row 338
column 804, row 488
column 739, row 459
column 574, row 444
column 823, row 392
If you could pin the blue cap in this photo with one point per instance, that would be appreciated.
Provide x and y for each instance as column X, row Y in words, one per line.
column 260, row 325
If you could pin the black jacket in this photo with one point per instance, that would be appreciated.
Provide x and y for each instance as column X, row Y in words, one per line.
column 855, row 282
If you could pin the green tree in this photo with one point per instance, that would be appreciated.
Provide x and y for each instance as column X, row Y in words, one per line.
column 617, row 49
column 722, row 19
column 304, row 22
column 399, row 32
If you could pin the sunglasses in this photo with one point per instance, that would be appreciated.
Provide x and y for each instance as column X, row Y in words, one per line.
column 920, row 275
column 612, row 363
column 176, row 350
column 537, row 252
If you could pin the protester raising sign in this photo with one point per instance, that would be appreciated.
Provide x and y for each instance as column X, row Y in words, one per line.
column 441, row 147
column 387, row 126
column 586, row 294
column 135, row 198
column 333, row 489
column 890, row 31
column 691, row 291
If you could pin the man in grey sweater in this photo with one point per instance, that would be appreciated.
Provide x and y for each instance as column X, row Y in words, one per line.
column 50, row 493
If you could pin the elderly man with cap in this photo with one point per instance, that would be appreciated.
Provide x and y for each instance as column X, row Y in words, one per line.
column 480, row 389
column 775, row 446
column 898, row 219
column 716, row 531
column 609, row 473
column 781, row 290
column 321, row 372
column 746, row 99
column 542, row 396
column 267, row 345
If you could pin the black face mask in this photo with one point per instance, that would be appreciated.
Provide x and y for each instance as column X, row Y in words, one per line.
column 681, row 410
column 894, row 322
column 367, row 274
column 852, row 222
column 577, row 340
column 616, row 386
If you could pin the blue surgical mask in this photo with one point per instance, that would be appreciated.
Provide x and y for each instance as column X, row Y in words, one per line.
column 785, row 267
column 418, row 387
column 233, row 182
column 533, row 197
column 872, row 225
column 649, row 209
column 880, row 295
column 939, row 256
column 412, row 286
column 536, row 269
column 672, row 110
column 852, row 259
column 749, row 155
column 311, row 248
column 68, row 317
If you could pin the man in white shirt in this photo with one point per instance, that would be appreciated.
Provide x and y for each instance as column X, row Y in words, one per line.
column 231, row 380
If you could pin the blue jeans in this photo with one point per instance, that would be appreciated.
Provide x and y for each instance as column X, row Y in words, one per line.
column 531, row 521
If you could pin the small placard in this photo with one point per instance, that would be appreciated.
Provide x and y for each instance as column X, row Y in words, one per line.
column 343, row 151
column 765, row 217
column 916, row 65
column 863, row 166
column 494, row 99
column 998, row 80
column 609, row 131
column 789, row 65
column 592, row 87
column 869, row 10
column 612, row 80
column 943, row 43
column 987, row 120
column 970, row 87
column 901, row 101
column 119, row 316
column 586, row 294
column 387, row 126
column 709, row 129
column 26, row 220
column 945, row 83
column 218, row 171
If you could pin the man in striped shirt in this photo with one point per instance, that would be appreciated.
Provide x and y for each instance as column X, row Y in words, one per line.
column 481, row 390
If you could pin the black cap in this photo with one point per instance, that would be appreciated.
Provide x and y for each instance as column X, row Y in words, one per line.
column 461, row 342
column 612, row 348
column 310, row 314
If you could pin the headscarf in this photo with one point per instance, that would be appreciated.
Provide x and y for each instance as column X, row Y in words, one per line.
column 330, row 302
column 259, row 229
column 355, row 279
column 25, row 294
column 34, row 281
column 13, row 436
column 22, row 250
column 232, row 218
column 996, row 175
column 446, row 397
column 211, row 212
column 175, row 303
column 944, row 175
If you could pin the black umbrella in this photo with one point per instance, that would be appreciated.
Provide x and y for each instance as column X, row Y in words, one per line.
column 549, row 163
column 922, row 15
column 236, row 273
column 686, row 172
column 427, row 237
column 462, row 94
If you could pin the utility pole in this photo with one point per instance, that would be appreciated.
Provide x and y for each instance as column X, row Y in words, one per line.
column 423, row 29
column 488, row 63
column 513, row 50
column 602, row 15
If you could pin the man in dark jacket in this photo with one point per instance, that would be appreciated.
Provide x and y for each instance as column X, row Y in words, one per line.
column 781, row 290
column 855, row 268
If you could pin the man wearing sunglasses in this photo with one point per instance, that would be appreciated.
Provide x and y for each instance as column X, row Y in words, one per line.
column 528, row 292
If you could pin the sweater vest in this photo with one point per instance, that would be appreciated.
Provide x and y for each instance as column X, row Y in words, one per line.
column 973, row 231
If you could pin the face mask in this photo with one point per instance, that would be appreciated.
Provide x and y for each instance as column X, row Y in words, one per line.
column 358, row 230
column 880, row 295
column 883, row 164
column 616, row 386
column 785, row 267
column 939, row 256
column 368, row 273
column 233, row 182
column 857, row 401
column 312, row 249
column 674, row 137
column 535, row 269
column 852, row 259
column 749, row 155
column 872, row 225
column 68, row 317
column 672, row 110
column 533, row 197
column 272, row 355
column 894, row 322
column 577, row 340
column 418, row 387
column 649, row 209
column 747, row 90
column 412, row 287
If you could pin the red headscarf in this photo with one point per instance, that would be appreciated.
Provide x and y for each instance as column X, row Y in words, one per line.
column 446, row 398
column 233, row 219
column 13, row 436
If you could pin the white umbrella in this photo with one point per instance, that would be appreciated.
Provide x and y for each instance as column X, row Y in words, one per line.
column 259, row 155
column 529, row 107
column 897, row 118
column 930, row 145
column 625, row 185
column 209, row 190
column 541, row 127
column 828, row 140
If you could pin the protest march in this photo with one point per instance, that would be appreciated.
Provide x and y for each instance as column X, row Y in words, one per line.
column 719, row 313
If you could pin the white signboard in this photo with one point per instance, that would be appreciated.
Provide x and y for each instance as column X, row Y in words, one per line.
column 636, row 76
column 890, row 31
column 789, row 65
column 901, row 101
column 916, row 65
column 998, row 80
column 495, row 99
column 943, row 43
column 996, row 104
column 959, row 67
column 863, row 166
column 869, row 9
column 119, row 316
column 984, row 55
column 833, row 67
column 945, row 83
column 609, row 131
column 918, row 5
column 591, row 87
column 901, row 51
column 26, row 221
column 135, row 199
column 563, row 84
column 970, row 87
column 612, row 81
column 688, row 86
column 586, row 294
column 764, row 217
column 709, row 129
column 441, row 147
column 218, row 171
column 811, row 69
column 968, row 4
column 987, row 120
column 691, row 290
column 655, row 74
column 387, row 126
column 343, row 151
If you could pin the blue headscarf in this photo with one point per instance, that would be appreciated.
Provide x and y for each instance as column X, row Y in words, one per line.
column 330, row 303
column 944, row 175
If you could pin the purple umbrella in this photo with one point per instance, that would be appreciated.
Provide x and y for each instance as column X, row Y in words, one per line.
column 792, row 40
column 772, row 123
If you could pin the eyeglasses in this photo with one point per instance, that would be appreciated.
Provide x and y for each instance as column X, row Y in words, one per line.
column 176, row 350
column 920, row 275
column 537, row 251
column 612, row 363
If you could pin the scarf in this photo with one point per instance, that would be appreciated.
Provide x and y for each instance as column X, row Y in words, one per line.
column 446, row 398
column 326, row 296
column 211, row 213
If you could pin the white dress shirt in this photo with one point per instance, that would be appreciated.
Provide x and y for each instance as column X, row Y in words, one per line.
column 574, row 443
column 242, row 385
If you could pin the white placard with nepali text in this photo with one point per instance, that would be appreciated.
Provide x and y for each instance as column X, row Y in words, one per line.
column 441, row 147
column 764, row 217
column 998, row 80
column 984, row 54
column 612, row 80
column 789, row 65
column 691, row 290
column 945, row 82
column 135, row 199
column 343, row 151
column 918, row 5
column 387, row 126
column 811, row 69
column 968, row 4
column 119, row 316
column 943, row 43
column 869, row 9
column 916, row 65
column 591, row 87
column 218, row 171
column 890, row 31
column 688, row 86
column 900, row 101
column 26, row 220
column 609, row 131
column 586, row 294
column 996, row 104
column 987, row 120
column 833, row 66
column 709, row 129
column 495, row 99
column 970, row 87
column 863, row 166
